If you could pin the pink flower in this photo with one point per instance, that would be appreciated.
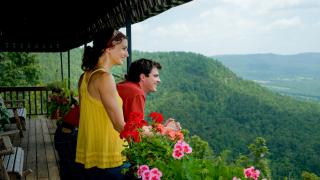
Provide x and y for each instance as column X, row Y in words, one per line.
column 156, row 172
column 178, row 146
column 256, row 175
column 146, row 175
column 142, row 169
column 155, row 177
column 177, row 154
column 251, row 173
column 187, row 149
column 235, row 178
column 171, row 134
column 160, row 128
column 179, row 135
column 183, row 146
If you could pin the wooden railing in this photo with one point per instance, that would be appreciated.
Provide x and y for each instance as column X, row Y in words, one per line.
column 35, row 99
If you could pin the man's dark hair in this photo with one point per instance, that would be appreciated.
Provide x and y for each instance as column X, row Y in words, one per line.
column 141, row 66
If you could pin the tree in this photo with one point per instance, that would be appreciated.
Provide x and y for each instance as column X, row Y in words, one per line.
column 18, row 69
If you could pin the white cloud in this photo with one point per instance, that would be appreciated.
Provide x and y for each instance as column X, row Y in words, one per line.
column 233, row 26
column 262, row 6
column 294, row 22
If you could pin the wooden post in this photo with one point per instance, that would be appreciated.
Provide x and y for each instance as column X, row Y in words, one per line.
column 128, row 33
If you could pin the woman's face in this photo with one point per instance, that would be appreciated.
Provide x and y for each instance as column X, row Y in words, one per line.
column 119, row 52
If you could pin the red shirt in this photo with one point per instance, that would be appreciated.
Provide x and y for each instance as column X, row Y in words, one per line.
column 133, row 98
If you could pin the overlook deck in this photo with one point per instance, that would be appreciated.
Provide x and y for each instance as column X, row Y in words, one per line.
column 40, row 155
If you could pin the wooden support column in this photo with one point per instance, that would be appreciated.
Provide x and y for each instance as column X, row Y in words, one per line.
column 128, row 33
column 61, row 66
column 69, row 74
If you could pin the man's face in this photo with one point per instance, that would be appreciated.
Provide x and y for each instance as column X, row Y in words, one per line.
column 149, row 84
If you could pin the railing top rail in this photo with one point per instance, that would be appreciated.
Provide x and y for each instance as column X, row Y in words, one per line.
column 36, row 88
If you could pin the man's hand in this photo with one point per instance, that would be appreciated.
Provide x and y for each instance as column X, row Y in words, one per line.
column 147, row 131
column 172, row 125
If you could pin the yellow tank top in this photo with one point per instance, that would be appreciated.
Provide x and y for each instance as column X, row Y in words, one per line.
column 99, row 144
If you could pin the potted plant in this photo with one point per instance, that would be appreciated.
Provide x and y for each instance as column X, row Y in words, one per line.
column 59, row 100
column 155, row 150
column 162, row 150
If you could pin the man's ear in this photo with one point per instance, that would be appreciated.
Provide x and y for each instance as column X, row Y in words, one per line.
column 142, row 77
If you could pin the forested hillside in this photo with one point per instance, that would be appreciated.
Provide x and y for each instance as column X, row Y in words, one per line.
column 227, row 111
column 50, row 65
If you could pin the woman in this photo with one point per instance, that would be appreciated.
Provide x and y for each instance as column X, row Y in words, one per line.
column 101, row 118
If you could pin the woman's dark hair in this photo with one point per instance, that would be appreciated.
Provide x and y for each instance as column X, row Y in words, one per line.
column 141, row 66
column 102, row 40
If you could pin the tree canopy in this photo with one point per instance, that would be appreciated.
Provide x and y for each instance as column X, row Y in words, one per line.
column 18, row 69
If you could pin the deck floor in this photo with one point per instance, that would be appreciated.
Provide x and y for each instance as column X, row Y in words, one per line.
column 40, row 155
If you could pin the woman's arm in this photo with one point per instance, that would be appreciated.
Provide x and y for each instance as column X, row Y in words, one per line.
column 108, row 94
column 79, row 84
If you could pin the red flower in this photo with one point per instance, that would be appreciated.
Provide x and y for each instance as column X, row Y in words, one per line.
column 136, row 120
column 131, row 128
column 156, row 117
column 129, row 135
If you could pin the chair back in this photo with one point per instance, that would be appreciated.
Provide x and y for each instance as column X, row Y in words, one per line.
column 1, row 102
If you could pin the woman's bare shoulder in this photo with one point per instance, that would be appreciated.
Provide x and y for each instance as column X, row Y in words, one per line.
column 102, row 79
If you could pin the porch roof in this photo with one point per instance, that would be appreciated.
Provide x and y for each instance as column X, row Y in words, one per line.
column 57, row 26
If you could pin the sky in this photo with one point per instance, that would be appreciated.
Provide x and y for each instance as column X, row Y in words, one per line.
column 215, row 27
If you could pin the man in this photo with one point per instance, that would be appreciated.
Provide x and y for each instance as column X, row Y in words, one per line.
column 142, row 78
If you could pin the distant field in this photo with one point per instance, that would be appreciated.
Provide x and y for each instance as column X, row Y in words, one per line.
column 293, row 75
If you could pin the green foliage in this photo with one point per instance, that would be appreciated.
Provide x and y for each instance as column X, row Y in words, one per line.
column 309, row 176
column 201, row 148
column 257, row 157
column 18, row 69
column 221, row 169
column 149, row 150
column 4, row 117
column 50, row 64
column 156, row 151
column 204, row 165
column 158, row 144
column 58, row 86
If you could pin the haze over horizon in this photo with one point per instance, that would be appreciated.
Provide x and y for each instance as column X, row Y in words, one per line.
column 216, row 27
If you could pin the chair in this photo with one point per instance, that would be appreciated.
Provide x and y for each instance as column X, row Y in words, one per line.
column 17, row 113
column 11, row 158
